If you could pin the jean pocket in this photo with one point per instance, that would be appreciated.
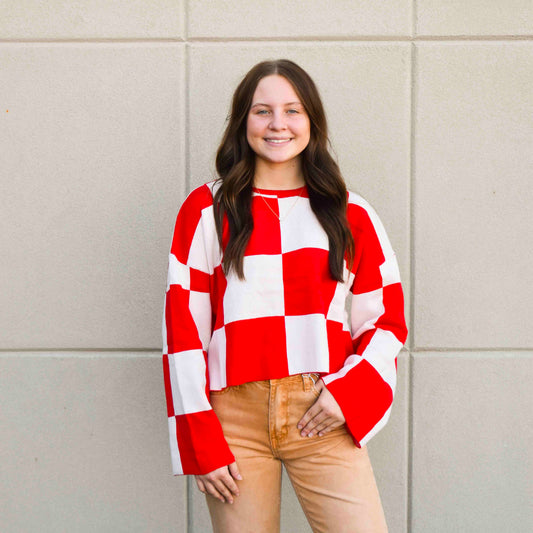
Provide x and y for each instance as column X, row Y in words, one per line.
column 311, row 380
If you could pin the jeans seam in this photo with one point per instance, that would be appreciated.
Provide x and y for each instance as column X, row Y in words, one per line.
column 272, row 438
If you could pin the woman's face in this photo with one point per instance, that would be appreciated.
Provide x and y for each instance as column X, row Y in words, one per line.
column 278, row 127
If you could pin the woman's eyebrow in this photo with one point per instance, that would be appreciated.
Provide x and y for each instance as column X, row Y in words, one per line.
column 267, row 105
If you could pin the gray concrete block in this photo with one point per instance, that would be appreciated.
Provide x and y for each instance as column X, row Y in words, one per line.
column 473, row 238
column 85, row 445
column 120, row 19
column 453, row 17
column 300, row 18
column 389, row 453
column 93, row 150
column 472, row 433
column 201, row 521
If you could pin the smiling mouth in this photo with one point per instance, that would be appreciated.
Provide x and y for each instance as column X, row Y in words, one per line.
column 278, row 141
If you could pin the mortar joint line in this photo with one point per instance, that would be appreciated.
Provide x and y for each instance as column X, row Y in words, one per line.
column 412, row 281
column 274, row 41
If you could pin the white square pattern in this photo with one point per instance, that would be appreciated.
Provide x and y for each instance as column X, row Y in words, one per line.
column 207, row 222
column 301, row 229
column 337, row 307
column 197, row 257
column 178, row 273
column 261, row 295
column 188, row 379
column 381, row 353
column 307, row 343
column 217, row 360
column 390, row 273
column 174, row 450
column 200, row 306
column 366, row 309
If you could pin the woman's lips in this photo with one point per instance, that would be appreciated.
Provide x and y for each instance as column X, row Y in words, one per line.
column 277, row 142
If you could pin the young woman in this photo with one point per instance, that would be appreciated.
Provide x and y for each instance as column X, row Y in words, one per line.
column 262, row 364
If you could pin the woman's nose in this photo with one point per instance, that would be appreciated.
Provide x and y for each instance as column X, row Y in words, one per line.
column 278, row 121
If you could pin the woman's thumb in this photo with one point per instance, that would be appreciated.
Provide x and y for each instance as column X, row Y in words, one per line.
column 234, row 471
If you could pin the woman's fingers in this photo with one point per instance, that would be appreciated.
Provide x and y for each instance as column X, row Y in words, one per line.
column 320, row 427
column 309, row 415
column 320, row 417
column 319, row 423
column 234, row 471
column 218, row 490
column 222, row 488
column 229, row 485
column 323, row 428
column 220, row 483
column 308, row 429
column 200, row 484
column 212, row 490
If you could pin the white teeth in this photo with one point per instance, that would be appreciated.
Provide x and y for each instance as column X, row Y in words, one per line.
column 277, row 141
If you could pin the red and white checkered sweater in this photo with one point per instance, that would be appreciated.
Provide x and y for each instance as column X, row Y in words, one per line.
column 288, row 317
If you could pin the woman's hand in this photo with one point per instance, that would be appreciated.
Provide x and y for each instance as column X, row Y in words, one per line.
column 323, row 416
column 220, row 483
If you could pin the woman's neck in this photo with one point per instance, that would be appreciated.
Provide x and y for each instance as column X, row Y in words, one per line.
column 278, row 176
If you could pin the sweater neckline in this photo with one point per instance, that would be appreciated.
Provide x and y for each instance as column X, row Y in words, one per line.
column 283, row 193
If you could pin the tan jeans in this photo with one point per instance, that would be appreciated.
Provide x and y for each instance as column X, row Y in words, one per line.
column 332, row 478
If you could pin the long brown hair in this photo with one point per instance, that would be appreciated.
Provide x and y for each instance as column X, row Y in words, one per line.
column 235, row 164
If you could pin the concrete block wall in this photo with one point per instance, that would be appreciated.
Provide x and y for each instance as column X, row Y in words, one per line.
column 111, row 112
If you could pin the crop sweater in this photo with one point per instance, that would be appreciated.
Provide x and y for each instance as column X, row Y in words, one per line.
column 287, row 317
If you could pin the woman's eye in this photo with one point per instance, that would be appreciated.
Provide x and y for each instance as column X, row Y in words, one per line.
column 292, row 111
column 262, row 112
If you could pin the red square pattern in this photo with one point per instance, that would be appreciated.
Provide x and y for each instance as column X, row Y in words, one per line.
column 266, row 235
column 368, row 252
column 201, row 443
column 168, row 386
column 199, row 281
column 365, row 401
column 308, row 286
column 339, row 344
column 182, row 333
column 256, row 350
column 394, row 317
column 217, row 297
column 187, row 221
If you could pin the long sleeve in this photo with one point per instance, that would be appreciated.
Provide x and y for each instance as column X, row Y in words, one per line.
column 197, row 443
column 364, row 387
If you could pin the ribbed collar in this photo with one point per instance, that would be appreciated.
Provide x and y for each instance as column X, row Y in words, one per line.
column 282, row 193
